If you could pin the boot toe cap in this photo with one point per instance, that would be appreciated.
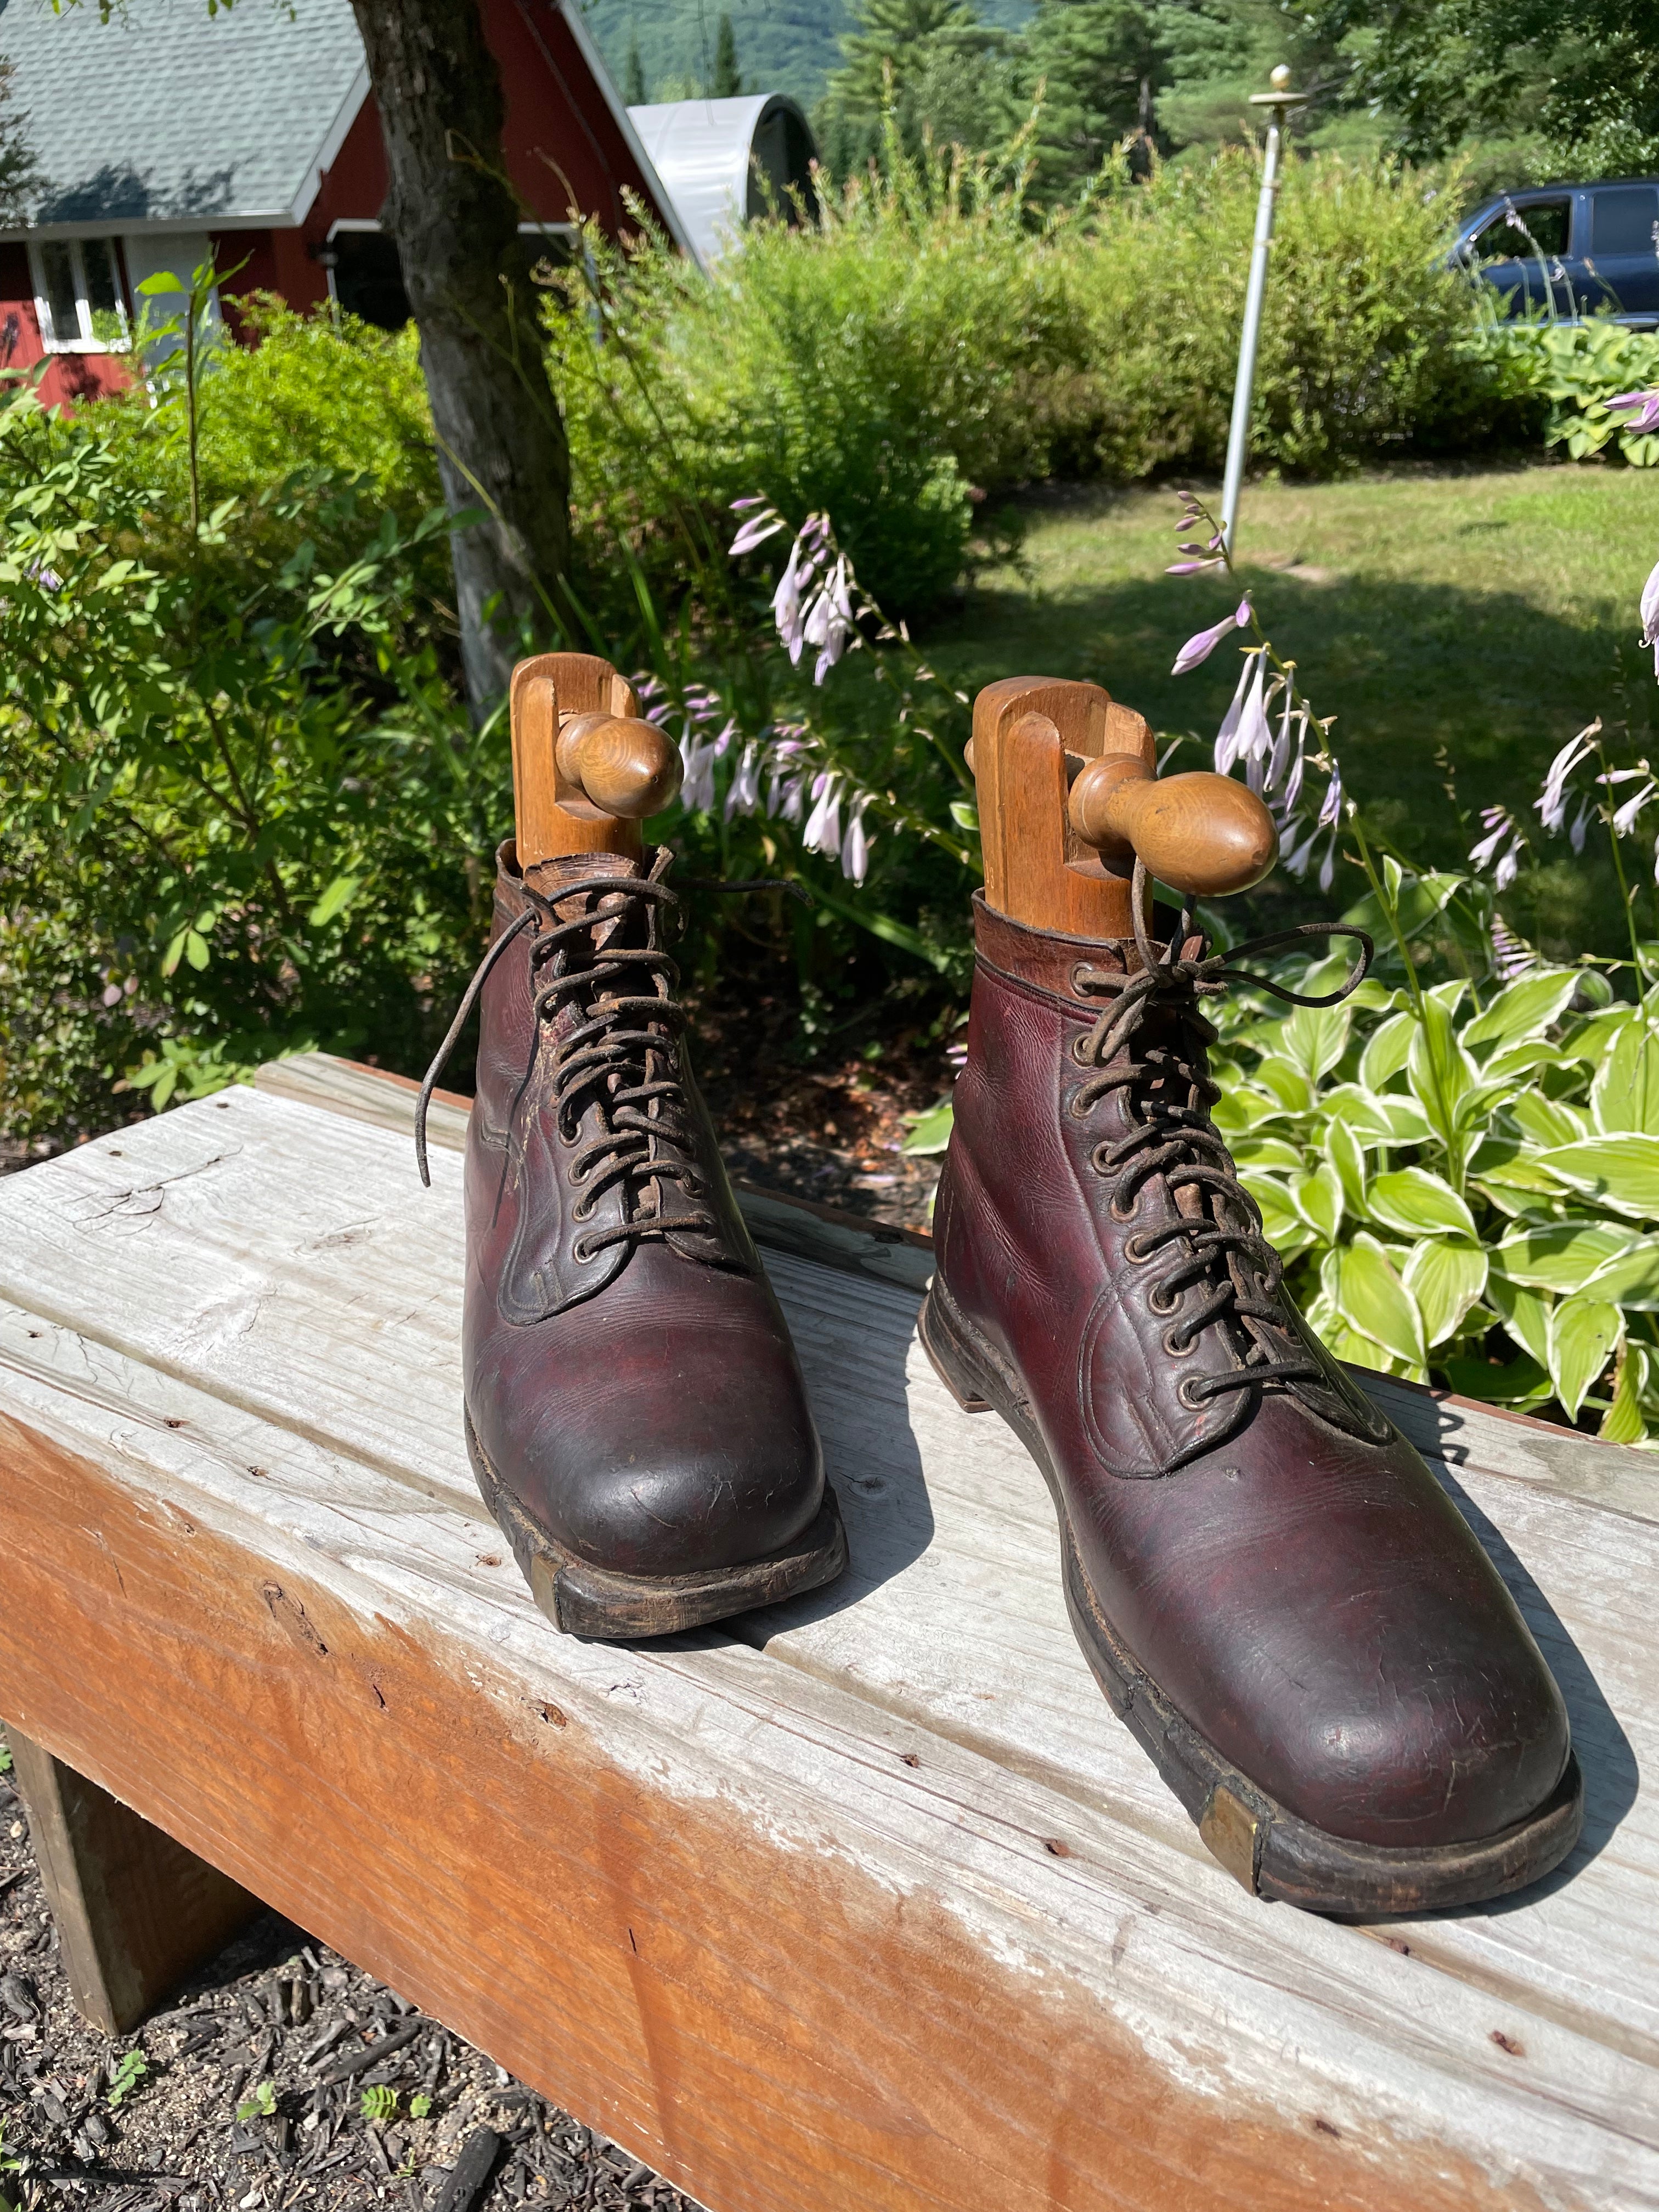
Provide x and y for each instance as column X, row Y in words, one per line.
column 691, row 1451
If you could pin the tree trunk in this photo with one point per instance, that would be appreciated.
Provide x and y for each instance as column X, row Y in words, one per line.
column 501, row 438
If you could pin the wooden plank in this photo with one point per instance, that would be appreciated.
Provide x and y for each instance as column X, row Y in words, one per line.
column 786, row 1224
column 134, row 1911
column 272, row 1280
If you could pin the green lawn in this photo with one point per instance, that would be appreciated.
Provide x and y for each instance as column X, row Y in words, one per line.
column 1490, row 614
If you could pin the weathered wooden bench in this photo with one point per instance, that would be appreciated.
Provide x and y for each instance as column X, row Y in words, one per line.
column 866, row 1903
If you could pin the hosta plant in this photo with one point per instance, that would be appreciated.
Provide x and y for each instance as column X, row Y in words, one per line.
column 1463, row 1180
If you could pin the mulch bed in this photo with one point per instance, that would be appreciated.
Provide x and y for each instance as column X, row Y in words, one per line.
column 275, row 2007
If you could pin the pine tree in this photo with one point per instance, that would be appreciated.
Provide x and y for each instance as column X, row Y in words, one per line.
column 919, row 47
column 634, row 90
column 728, row 83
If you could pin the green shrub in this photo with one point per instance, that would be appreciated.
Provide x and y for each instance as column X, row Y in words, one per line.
column 242, row 810
column 875, row 365
column 1365, row 344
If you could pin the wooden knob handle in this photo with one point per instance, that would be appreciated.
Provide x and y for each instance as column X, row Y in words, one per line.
column 625, row 768
column 1201, row 833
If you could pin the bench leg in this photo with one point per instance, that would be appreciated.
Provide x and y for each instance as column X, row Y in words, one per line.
column 135, row 1910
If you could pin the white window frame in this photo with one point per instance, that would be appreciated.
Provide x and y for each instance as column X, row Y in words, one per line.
column 84, row 340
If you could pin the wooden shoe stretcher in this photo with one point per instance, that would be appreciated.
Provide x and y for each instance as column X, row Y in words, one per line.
column 859, row 1902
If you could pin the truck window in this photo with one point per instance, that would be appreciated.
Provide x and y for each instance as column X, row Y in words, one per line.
column 1544, row 227
column 1625, row 222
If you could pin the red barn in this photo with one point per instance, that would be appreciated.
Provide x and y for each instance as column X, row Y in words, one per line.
column 165, row 135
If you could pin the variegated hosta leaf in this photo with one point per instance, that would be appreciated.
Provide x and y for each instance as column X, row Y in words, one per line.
column 1584, row 1334
column 1563, row 1255
column 1418, row 1202
column 1525, row 1313
column 1439, row 1071
column 1269, row 1153
column 1625, row 1092
column 1524, row 1008
column 1242, row 1106
column 1284, row 1228
column 1363, row 1285
column 1287, row 1083
column 1625, row 1421
column 1387, row 1051
column 1347, row 1156
column 1315, row 1038
column 1545, row 1121
column 1445, row 1275
column 1621, row 1173
column 1318, row 1198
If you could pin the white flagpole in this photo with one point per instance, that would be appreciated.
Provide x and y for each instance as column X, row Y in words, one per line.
column 1278, row 102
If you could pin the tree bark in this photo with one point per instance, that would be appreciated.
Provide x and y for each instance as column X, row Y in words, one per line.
column 500, row 438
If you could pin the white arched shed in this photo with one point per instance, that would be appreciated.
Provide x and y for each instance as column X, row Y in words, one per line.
column 716, row 158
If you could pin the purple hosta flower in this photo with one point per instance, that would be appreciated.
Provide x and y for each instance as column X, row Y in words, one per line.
column 38, row 572
column 1552, row 804
column 650, row 692
column 1297, row 861
column 1512, row 955
column 1646, row 404
column 1651, row 615
column 1192, row 567
column 787, row 799
column 855, row 851
column 1331, row 813
column 1626, row 816
column 697, row 789
column 756, row 531
column 829, row 623
column 800, row 574
column 1204, row 644
column 1503, row 831
column 1250, row 680
column 822, row 830
column 1580, row 824
column 743, row 797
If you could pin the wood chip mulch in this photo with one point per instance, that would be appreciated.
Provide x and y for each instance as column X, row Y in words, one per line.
column 281, row 2078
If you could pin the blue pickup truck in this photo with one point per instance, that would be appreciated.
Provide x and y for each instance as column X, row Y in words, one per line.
column 1581, row 247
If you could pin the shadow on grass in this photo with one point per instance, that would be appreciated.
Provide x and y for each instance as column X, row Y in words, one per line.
column 1409, row 670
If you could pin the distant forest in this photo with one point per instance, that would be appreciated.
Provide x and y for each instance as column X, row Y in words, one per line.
column 1514, row 90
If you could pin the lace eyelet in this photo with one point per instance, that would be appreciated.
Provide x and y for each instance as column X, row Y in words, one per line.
column 1187, row 1384
column 1137, row 1251
column 1159, row 1302
column 582, row 1210
column 581, row 1252
column 1078, row 1044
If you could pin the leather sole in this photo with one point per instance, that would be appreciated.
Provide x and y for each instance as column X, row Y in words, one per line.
column 582, row 1599
column 1271, row 1851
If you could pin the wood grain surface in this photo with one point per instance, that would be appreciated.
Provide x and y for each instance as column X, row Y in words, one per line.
column 868, row 1901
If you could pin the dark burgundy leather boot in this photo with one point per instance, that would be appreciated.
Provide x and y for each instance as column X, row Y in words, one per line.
column 1271, row 1588
column 635, row 1411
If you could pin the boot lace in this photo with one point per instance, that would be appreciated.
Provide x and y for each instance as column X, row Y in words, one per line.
column 1169, row 1096
column 620, row 1055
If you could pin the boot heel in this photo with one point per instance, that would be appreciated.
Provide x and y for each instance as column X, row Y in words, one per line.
column 949, row 1359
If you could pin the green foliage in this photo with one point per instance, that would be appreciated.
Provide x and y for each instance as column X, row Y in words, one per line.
column 875, row 365
column 1464, row 1182
column 1572, row 85
column 419, row 2106
column 379, row 2102
column 926, row 342
column 1368, row 348
column 1576, row 368
column 259, row 2103
column 5, row 1757
column 126, row 2078
column 241, row 806
column 726, row 83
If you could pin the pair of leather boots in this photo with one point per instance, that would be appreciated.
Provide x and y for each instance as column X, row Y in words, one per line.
column 1272, row 1589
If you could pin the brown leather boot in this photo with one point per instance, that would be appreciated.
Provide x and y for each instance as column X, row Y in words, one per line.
column 1271, row 1588
column 635, row 1412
